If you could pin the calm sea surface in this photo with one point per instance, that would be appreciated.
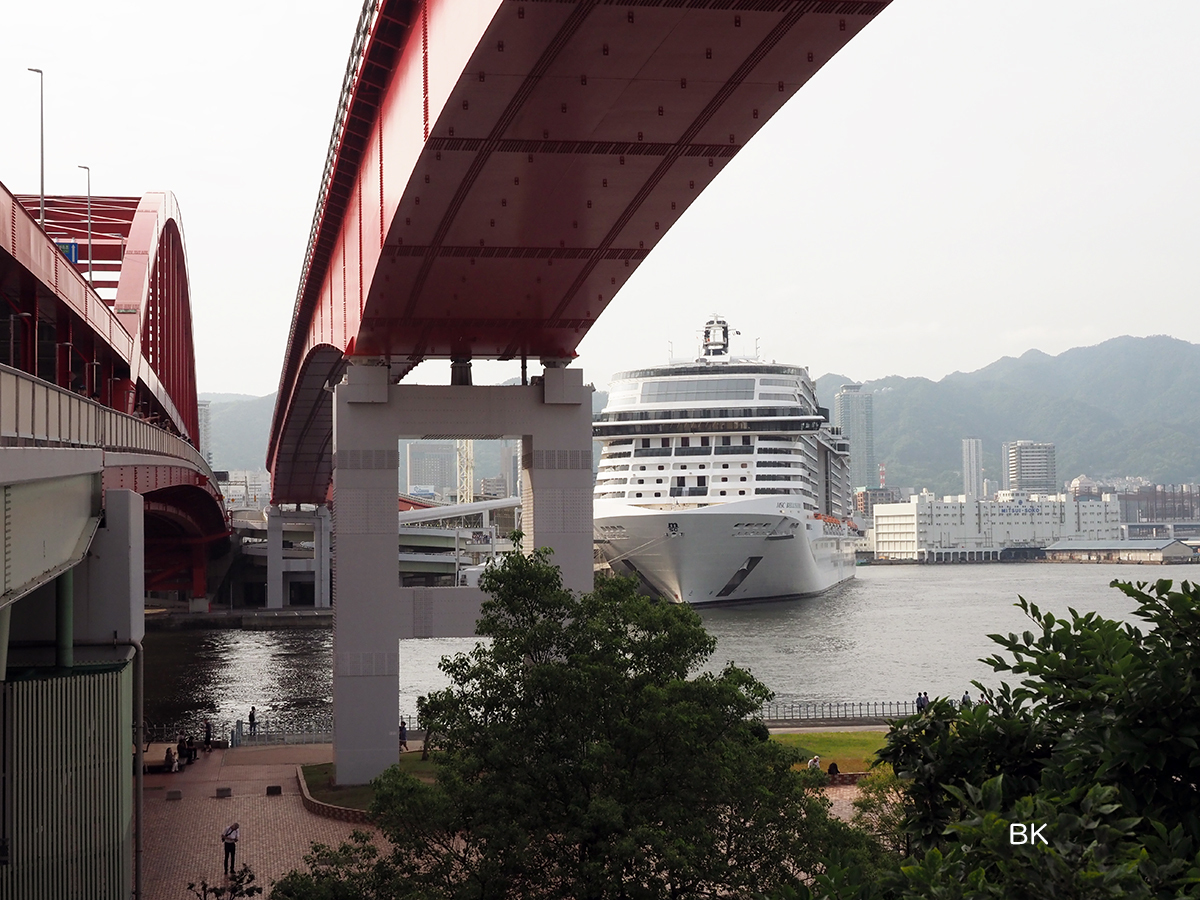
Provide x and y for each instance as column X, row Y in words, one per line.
column 893, row 631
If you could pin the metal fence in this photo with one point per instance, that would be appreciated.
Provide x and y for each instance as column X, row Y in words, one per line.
column 272, row 731
column 895, row 709
column 267, row 730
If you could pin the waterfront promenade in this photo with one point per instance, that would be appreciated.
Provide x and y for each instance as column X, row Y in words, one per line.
column 183, row 837
column 182, row 842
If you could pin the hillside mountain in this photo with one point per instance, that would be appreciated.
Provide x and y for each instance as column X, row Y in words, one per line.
column 1124, row 407
column 240, row 425
column 1128, row 406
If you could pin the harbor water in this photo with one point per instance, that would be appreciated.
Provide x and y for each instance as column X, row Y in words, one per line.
column 889, row 633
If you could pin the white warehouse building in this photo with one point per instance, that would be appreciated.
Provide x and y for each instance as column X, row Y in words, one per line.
column 954, row 529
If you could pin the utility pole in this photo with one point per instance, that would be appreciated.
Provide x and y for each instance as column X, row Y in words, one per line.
column 42, row 129
column 91, row 280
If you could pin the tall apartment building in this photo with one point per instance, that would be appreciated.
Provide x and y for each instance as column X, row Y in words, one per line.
column 972, row 468
column 432, row 464
column 1028, row 466
column 204, row 438
column 853, row 413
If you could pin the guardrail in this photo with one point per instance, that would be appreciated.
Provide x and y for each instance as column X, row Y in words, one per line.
column 780, row 712
column 35, row 413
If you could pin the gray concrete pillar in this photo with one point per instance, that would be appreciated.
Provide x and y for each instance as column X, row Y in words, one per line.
column 64, row 620
column 274, row 558
column 322, row 544
column 552, row 418
column 5, row 622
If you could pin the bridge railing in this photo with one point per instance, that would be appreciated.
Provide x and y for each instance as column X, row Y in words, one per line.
column 35, row 413
column 888, row 709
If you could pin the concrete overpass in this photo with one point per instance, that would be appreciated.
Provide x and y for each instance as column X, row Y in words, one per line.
column 497, row 171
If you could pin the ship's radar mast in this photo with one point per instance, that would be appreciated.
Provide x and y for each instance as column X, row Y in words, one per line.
column 716, row 337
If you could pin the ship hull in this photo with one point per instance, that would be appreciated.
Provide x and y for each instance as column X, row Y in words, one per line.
column 764, row 548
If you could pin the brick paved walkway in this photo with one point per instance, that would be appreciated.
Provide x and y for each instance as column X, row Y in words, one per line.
column 843, row 797
column 183, row 837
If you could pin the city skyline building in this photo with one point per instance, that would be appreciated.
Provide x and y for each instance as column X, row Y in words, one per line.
column 854, row 413
column 432, row 464
column 972, row 468
column 204, row 438
column 1028, row 466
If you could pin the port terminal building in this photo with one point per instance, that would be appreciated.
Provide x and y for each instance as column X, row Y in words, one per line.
column 1015, row 524
column 1138, row 550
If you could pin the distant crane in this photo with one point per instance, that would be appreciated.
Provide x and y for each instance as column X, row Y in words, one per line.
column 466, row 470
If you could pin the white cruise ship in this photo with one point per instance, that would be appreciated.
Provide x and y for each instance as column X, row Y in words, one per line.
column 721, row 480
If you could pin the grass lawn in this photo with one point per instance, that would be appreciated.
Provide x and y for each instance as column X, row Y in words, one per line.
column 320, row 782
column 853, row 751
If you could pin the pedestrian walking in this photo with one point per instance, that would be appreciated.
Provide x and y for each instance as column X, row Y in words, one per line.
column 229, row 837
column 966, row 700
column 403, row 737
column 253, row 721
column 207, row 736
column 921, row 701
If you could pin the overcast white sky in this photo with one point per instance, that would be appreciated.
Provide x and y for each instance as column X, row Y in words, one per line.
column 964, row 181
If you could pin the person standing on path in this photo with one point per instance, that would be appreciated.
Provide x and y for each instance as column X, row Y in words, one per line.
column 207, row 736
column 230, row 838
column 403, row 737
column 253, row 721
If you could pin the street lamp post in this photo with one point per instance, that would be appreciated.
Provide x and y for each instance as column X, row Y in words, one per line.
column 42, row 130
column 91, row 279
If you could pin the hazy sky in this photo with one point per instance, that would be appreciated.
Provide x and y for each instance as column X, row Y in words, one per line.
column 964, row 181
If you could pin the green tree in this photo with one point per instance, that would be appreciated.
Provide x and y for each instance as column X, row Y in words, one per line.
column 1098, row 743
column 351, row 871
column 239, row 883
column 582, row 753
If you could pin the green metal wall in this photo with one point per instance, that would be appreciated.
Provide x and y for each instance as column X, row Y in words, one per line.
column 69, row 785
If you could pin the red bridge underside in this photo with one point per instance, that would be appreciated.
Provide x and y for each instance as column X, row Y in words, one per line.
column 502, row 168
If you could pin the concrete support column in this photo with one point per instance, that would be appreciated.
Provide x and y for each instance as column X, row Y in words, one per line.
column 64, row 620
column 274, row 558
column 322, row 543
column 553, row 419
column 366, row 658
column 5, row 622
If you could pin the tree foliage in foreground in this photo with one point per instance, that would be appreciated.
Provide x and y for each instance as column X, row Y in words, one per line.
column 582, row 753
column 1098, row 743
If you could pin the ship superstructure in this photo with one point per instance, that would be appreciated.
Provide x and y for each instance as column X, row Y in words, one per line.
column 721, row 479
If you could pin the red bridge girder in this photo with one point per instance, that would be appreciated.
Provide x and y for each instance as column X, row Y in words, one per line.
column 499, row 169
column 125, row 343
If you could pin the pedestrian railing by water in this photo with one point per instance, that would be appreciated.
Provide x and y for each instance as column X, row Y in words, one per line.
column 268, row 731
column 789, row 712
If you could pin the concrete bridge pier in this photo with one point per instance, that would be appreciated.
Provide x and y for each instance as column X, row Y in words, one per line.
column 553, row 419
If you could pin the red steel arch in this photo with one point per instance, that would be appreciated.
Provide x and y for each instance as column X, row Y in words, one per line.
column 499, row 168
column 124, row 341
column 141, row 276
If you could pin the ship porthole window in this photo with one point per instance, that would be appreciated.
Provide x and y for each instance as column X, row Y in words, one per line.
column 722, row 493
column 724, row 479
column 741, row 492
column 657, row 494
column 638, row 494
column 724, row 465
